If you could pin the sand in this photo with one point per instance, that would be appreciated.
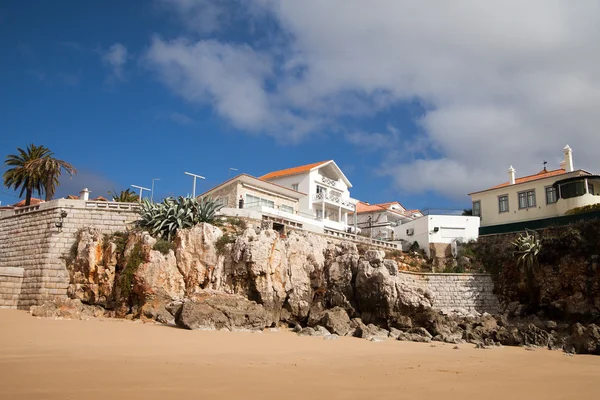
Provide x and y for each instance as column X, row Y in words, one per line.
column 114, row 359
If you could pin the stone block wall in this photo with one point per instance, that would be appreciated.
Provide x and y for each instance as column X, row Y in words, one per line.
column 31, row 241
column 472, row 292
column 10, row 286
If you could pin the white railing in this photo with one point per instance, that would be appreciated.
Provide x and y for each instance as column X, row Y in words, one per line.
column 112, row 205
column 333, row 199
column 329, row 181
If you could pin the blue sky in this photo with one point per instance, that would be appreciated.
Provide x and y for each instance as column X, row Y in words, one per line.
column 417, row 104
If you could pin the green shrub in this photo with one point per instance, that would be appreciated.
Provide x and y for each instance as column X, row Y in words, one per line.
column 393, row 253
column 414, row 246
column 237, row 222
column 136, row 258
column 223, row 241
column 165, row 218
column 163, row 246
column 584, row 209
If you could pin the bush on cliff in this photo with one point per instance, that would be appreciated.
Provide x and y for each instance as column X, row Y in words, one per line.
column 165, row 218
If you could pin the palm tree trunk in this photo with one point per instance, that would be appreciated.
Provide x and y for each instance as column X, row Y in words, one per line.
column 49, row 188
column 28, row 193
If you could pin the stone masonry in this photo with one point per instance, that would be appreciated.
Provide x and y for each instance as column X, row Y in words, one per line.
column 10, row 286
column 472, row 292
column 33, row 245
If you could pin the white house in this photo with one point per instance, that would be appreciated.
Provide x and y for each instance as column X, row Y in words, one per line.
column 438, row 233
column 547, row 194
column 326, row 192
column 379, row 220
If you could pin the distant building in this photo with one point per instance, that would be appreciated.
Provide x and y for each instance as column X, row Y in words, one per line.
column 545, row 195
column 379, row 220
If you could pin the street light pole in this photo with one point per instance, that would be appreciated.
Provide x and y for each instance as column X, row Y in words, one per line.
column 141, row 190
column 152, row 193
column 194, row 187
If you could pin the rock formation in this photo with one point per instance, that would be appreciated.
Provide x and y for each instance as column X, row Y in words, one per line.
column 261, row 280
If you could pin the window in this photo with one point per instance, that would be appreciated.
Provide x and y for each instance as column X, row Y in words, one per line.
column 590, row 188
column 551, row 196
column 295, row 186
column 503, row 203
column 319, row 214
column 287, row 209
column 255, row 201
column 527, row 199
column 320, row 189
column 572, row 189
column 477, row 208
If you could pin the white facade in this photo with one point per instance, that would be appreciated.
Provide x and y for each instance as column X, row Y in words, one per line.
column 438, row 229
column 326, row 189
column 378, row 221
column 546, row 194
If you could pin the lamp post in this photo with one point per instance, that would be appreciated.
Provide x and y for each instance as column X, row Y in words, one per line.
column 141, row 190
column 152, row 192
column 194, row 187
column 231, row 169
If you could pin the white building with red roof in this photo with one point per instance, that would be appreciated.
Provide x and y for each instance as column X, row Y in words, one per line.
column 327, row 192
column 547, row 194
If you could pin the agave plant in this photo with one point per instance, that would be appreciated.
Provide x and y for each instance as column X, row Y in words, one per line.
column 165, row 218
column 527, row 249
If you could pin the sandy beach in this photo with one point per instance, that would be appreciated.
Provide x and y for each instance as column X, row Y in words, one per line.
column 113, row 359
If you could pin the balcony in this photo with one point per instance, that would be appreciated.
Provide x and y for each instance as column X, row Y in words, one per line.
column 333, row 199
column 329, row 181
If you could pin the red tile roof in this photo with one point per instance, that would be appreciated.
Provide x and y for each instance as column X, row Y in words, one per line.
column 540, row 175
column 291, row 171
column 363, row 207
column 34, row 202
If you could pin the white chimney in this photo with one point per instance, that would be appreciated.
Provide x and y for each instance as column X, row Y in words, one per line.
column 511, row 175
column 84, row 194
column 568, row 159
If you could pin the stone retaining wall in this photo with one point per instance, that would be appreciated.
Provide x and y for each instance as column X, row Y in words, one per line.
column 10, row 286
column 31, row 241
column 472, row 292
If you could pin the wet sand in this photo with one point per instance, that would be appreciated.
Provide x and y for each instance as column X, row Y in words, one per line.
column 112, row 359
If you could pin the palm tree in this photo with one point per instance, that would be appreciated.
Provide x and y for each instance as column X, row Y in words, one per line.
column 20, row 175
column 126, row 196
column 49, row 169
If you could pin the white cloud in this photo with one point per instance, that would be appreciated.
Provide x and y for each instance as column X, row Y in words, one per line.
column 229, row 77
column 502, row 82
column 116, row 58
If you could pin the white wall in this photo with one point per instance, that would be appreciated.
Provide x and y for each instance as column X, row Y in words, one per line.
column 450, row 228
column 304, row 186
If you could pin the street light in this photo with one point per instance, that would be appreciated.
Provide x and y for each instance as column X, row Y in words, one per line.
column 141, row 190
column 152, row 192
column 231, row 169
column 194, row 187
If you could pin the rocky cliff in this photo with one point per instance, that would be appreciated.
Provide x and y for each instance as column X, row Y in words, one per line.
column 258, row 279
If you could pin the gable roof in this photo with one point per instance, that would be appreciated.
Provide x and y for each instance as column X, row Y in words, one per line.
column 292, row 171
column 251, row 180
column 543, row 174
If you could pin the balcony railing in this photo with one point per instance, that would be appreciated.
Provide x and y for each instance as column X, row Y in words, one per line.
column 333, row 199
column 328, row 181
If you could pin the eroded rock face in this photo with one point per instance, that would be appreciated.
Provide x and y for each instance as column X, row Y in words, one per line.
column 92, row 269
column 220, row 311
column 196, row 255
column 382, row 296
